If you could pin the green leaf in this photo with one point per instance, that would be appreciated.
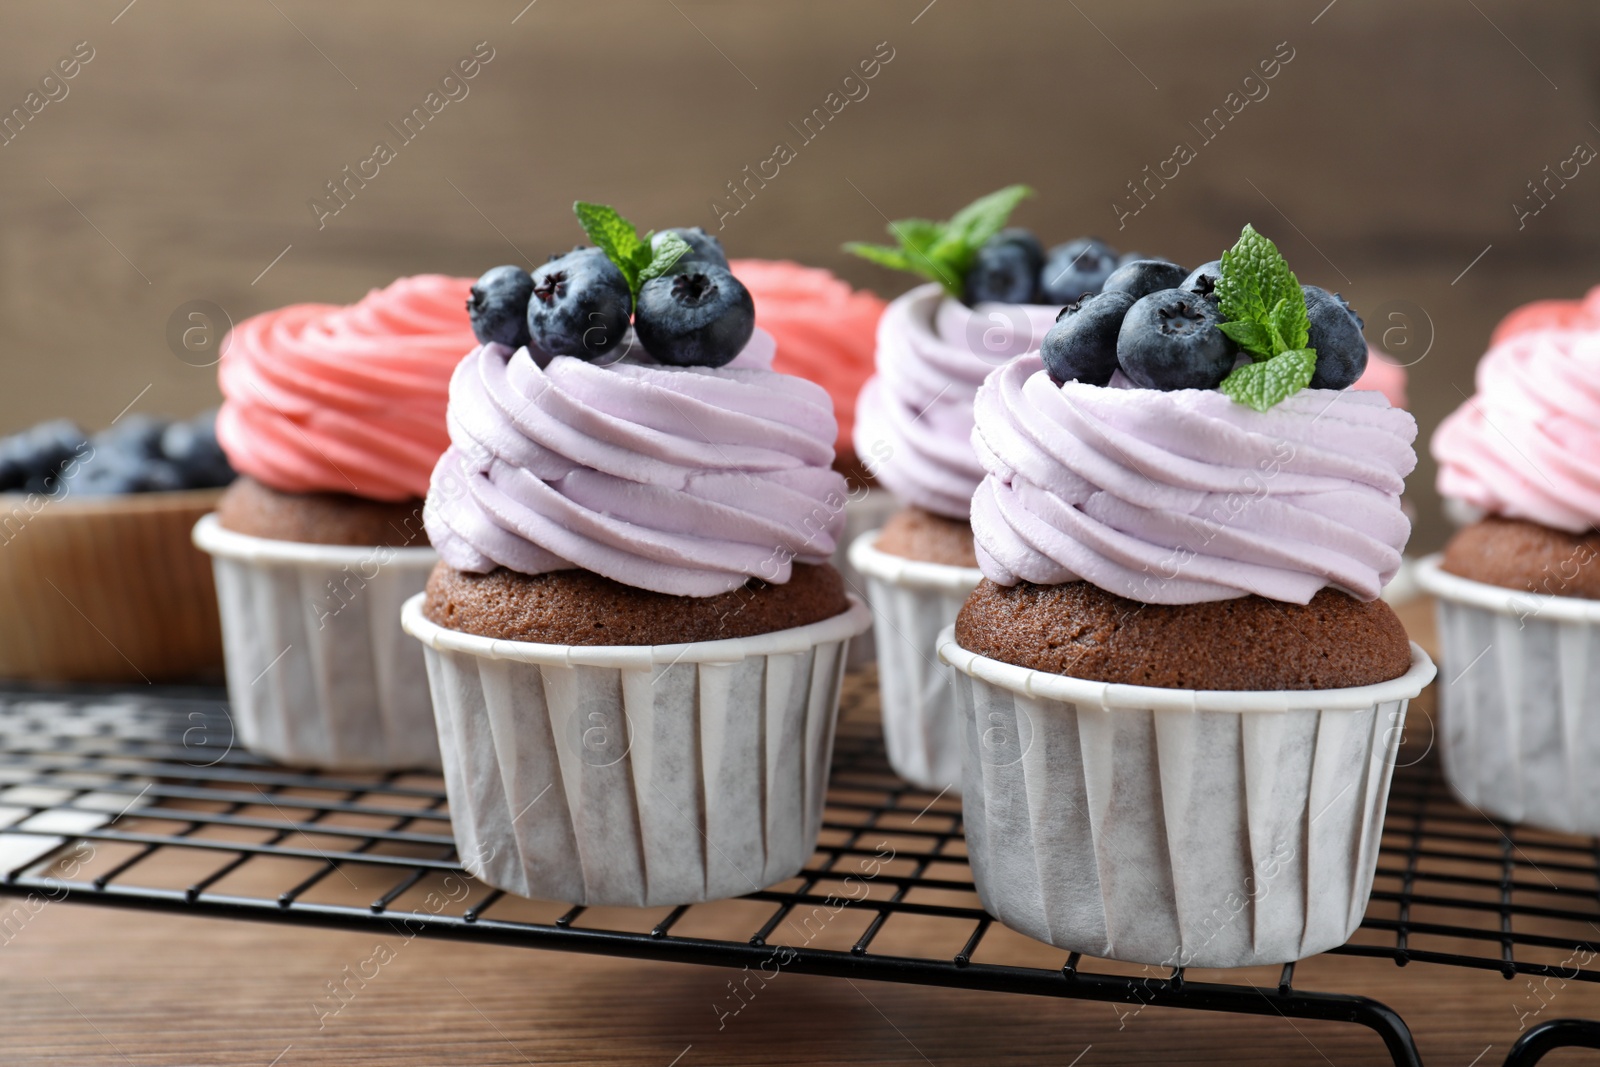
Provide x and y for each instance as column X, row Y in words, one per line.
column 944, row 251
column 916, row 235
column 1261, row 385
column 1250, row 336
column 985, row 216
column 1254, row 278
column 667, row 253
column 882, row 255
column 1289, row 317
column 615, row 236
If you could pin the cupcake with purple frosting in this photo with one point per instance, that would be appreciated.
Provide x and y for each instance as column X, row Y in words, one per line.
column 634, row 638
column 1182, row 693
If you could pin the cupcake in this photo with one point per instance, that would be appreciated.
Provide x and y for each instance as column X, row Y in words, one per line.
column 101, row 578
column 1519, row 588
column 334, row 418
column 1181, row 692
column 992, row 294
column 825, row 332
column 634, row 638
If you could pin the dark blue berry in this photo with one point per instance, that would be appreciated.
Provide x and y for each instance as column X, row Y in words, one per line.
column 1141, row 277
column 1336, row 335
column 498, row 306
column 1075, row 270
column 701, row 316
column 1170, row 340
column 703, row 247
column 31, row 461
column 580, row 305
column 138, row 436
column 1203, row 279
column 1082, row 345
column 1006, row 269
column 191, row 447
column 110, row 472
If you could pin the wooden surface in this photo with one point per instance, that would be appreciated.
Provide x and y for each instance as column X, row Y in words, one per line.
column 1385, row 157
column 84, row 985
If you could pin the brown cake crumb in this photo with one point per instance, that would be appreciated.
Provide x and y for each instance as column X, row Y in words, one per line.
column 922, row 535
column 249, row 507
column 1517, row 554
column 1248, row 643
column 579, row 607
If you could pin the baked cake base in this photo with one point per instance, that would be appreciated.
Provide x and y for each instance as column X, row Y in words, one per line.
column 577, row 607
column 1248, row 643
column 1516, row 554
column 921, row 535
column 249, row 507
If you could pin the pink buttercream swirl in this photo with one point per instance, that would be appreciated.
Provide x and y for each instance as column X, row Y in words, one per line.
column 321, row 398
column 914, row 417
column 1524, row 445
column 1182, row 497
column 687, row 481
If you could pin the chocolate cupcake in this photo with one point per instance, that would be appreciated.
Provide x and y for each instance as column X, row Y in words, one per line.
column 334, row 418
column 1518, row 589
column 634, row 637
column 1177, row 668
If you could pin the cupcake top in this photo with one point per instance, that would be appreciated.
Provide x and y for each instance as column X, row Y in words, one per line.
column 1178, row 492
column 322, row 398
column 667, row 455
column 914, row 416
column 823, row 328
column 1522, row 446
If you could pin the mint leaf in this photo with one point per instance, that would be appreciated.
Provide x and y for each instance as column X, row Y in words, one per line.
column 1261, row 385
column 1289, row 318
column 667, row 253
column 617, row 237
column 1254, row 278
column 944, row 251
column 1250, row 336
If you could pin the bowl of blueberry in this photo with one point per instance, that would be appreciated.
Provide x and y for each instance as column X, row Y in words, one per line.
column 96, row 564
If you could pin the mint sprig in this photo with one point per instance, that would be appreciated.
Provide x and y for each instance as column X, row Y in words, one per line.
column 943, row 251
column 619, row 239
column 1264, row 310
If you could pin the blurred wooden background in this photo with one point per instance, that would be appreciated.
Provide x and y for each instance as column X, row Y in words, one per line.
column 1385, row 158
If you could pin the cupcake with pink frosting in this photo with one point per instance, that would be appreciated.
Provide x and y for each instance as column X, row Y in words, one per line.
column 634, row 636
column 1181, row 692
column 1519, row 589
column 334, row 418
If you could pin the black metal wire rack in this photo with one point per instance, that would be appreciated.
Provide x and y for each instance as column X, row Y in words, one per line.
column 142, row 800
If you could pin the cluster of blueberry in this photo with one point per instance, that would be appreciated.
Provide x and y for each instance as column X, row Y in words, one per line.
column 580, row 304
column 138, row 454
column 1157, row 322
column 1012, row 267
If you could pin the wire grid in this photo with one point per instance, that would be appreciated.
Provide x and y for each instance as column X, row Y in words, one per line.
column 144, row 800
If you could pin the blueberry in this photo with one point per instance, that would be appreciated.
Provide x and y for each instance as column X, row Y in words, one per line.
column 701, row 316
column 580, row 305
column 1203, row 279
column 703, row 247
column 32, row 460
column 1170, row 340
column 138, row 436
column 1082, row 345
column 114, row 473
column 1141, row 277
column 191, row 447
column 1006, row 270
column 1336, row 335
column 1075, row 270
column 498, row 306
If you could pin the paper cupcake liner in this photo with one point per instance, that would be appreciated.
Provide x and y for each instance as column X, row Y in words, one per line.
column 319, row 671
column 106, row 589
column 912, row 601
column 864, row 512
column 636, row 775
column 1519, row 733
column 1176, row 827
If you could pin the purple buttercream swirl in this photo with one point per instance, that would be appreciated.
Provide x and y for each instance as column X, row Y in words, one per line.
column 686, row 481
column 914, row 416
column 1183, row 497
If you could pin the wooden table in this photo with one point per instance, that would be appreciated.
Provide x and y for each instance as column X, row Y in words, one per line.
column 84, row 985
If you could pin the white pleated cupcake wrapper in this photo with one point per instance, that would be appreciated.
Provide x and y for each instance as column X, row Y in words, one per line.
column 863, row 512
column 1176, row 827
column 320, row 674
column 637, row 775
column 912, row 601
column 1520, row 706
